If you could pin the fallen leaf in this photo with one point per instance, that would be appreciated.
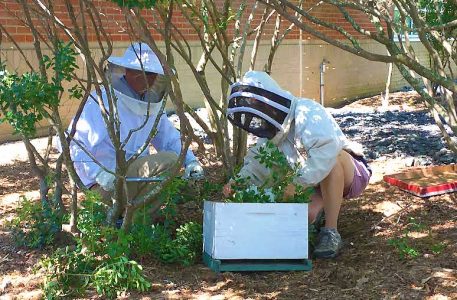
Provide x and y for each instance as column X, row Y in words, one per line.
column 426, row 279
column 361, row 282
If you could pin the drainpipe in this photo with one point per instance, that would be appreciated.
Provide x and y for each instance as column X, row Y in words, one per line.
column 322, row 71
column 300, row 48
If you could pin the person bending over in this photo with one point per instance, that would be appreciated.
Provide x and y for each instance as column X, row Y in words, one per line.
column 308, row 136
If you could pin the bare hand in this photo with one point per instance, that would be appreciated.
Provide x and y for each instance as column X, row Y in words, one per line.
column 289, row 192
column 227, row 190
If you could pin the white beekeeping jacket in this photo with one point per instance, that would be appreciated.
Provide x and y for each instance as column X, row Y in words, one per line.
column 310, row 137
column 92, row 133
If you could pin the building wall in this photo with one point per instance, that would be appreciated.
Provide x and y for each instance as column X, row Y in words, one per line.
column 296, row 67
column 113, row 20
column 346, row 77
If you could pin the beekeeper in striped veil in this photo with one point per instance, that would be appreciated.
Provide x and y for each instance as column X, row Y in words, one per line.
column 139, row 86
column 308, row 135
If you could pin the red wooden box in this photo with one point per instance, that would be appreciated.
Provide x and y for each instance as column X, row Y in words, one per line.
column 426, row 181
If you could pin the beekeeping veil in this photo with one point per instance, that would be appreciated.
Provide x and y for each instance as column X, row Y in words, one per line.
column 258, row 105
column 139, row 56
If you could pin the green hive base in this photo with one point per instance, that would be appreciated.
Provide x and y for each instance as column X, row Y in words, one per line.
column 249, row 265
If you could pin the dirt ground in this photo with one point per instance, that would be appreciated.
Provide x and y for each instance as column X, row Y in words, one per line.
column 368, row 268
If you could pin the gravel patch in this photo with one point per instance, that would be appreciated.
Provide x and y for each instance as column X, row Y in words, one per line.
column 412, row 135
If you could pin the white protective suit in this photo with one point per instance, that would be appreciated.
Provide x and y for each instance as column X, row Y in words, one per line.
column 309, row 136
column 92, row 133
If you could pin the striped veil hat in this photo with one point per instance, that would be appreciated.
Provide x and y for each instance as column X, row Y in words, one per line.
column 258, row 105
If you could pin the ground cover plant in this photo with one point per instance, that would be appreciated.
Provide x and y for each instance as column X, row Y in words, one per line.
column 35, row 224
column 103, row 258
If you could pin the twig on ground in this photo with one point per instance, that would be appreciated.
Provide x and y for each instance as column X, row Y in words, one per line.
column 4, row 258
column 399, row 277
column 403, row 209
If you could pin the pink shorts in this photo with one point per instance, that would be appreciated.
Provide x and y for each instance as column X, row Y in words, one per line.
column 360, row 181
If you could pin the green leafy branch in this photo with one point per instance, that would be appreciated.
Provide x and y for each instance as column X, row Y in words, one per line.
column 25, row 99
column 135, row 3
column 282, row 174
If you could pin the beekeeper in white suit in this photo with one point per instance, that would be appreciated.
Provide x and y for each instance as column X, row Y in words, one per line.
column 139, row 88
column 306, row 134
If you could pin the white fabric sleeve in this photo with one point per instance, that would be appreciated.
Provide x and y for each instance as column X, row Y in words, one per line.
column 321, row 137
column 91, row 132
column 321, row 159
column 168, row 138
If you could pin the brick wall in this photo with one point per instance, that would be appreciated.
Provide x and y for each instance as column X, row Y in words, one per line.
column 12, row 16
column 347, row 76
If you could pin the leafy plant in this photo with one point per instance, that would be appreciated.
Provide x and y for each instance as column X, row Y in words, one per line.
column 119, row 275
column 404, row 244
column 116, row 243
column 281, row 177
column 171, row 196
column 102, row 256
column 92, row 214
column 102, row 264
column 142, row 241
column 68, row 272
column 91, row 219
column 403, row 248
column 35, row 224
column 189, row 239
column 438, row 248
column 210, row 189
column 136, row 3
column 157, row 241
column 25, row 99
column 415, row 225
column 184, row 249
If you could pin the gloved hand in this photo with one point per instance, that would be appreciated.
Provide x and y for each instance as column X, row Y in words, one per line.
column 193, row 170
column 105, row 180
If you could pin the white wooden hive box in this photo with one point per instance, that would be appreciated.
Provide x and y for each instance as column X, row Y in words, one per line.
column 255, row 230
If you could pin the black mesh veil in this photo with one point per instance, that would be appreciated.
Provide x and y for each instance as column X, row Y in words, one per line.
column 257, row 111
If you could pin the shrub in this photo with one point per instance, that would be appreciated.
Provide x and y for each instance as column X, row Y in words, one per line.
column 119, row 275
column 282, row 174
column 68, row 272
column 184, row 249
column 35, row 224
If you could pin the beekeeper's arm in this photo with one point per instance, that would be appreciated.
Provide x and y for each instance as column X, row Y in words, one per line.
column 321, row 138
column 91, row 134
column 168, row 138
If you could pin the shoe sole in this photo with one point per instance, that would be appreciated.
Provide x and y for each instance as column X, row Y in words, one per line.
column 326, row 255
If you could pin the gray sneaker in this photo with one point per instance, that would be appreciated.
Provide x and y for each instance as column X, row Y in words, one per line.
column 329, row 243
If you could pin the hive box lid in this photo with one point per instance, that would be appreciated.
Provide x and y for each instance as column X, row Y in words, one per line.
column 426, row 181
column 255, row 230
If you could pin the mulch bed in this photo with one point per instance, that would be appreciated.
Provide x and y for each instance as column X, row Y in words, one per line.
column 370, row 267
